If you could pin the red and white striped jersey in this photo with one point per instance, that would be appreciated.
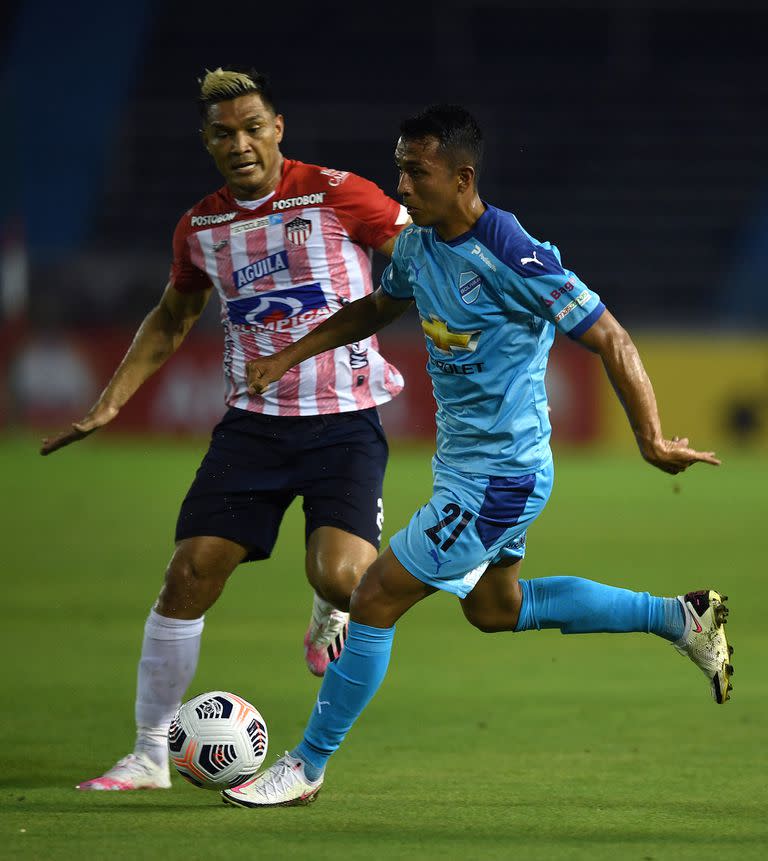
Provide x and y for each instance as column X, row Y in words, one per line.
column 282, row 268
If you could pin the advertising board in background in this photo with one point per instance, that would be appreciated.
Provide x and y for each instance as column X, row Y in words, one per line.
column 52, row 378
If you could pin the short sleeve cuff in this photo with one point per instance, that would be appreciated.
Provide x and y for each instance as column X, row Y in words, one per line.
column 580, row 328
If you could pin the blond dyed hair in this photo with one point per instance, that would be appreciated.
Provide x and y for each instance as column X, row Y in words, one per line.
column 219, row 85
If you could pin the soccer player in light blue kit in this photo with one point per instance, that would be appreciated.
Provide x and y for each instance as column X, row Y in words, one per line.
column 489, row 297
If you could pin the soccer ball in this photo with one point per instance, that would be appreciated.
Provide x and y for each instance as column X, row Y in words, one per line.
column 217, row 740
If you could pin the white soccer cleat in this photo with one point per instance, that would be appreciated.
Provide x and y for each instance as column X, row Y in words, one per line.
column 282, row 785
column 704, row 639
column 325, row 637
column 135, row 771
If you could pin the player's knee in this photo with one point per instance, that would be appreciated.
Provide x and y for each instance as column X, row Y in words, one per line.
column 335, row 580
column 483, row 623
column 492, row 622
column 335, row 593
column 490, row 627
column 189, row 586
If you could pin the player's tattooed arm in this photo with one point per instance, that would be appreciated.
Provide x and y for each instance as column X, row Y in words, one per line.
column 158, row 338
column 633, row 387
column 354, row 322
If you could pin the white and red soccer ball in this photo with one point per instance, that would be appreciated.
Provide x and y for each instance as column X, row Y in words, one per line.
column 217, row 740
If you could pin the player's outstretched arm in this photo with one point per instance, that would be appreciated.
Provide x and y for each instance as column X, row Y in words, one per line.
column 622, row 363
column 158, row 338
column 354, row 322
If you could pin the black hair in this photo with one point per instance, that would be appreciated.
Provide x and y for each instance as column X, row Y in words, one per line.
column 457, row 132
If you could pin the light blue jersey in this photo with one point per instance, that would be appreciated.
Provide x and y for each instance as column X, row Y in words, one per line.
column 489, row 302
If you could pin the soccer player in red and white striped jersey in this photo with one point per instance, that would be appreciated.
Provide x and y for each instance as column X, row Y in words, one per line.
column 283, row 263
column 285, row 245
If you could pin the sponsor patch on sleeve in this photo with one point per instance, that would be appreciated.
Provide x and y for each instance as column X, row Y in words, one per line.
column 578, row 302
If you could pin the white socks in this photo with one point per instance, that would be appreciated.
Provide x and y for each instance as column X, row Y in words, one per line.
column 168, row 662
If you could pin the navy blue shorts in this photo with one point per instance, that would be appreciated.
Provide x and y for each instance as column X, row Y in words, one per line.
column 257, row 465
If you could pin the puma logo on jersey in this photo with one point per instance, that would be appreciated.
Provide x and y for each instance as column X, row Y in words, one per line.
column 533, row 259
column 415, row 269
column 222, row 244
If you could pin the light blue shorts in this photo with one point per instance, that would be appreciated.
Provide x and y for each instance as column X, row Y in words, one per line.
column 471, row 522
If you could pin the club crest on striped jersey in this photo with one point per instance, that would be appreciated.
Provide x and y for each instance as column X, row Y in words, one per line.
column 260, row 269
column 279, row 310
column 469, row 287
column 298, row 230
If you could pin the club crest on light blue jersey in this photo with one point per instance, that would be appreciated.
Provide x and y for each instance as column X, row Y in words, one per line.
column 490, row 301
column 469, row 287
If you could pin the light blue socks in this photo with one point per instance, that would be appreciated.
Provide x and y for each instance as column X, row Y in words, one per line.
column 578, row 606
column 572, row 604
column 348, row 685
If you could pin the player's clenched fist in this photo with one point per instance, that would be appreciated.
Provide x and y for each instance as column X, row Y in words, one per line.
column 261, row 373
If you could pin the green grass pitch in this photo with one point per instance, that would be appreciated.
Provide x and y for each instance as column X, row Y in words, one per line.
column 530, row 746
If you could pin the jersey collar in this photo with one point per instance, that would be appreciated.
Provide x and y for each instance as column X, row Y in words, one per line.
column 288, row 163
column 478, row 225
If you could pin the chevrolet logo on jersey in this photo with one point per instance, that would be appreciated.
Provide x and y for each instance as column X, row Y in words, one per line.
column 447, row 341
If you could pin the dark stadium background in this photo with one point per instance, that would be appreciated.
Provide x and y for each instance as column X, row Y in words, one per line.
column 630, row 134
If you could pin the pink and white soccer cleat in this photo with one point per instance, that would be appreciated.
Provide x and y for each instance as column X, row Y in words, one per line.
column 135, row 771
column 282, row 785
column 325, row 637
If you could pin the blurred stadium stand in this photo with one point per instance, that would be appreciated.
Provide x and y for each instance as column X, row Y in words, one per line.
column 631, row 134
